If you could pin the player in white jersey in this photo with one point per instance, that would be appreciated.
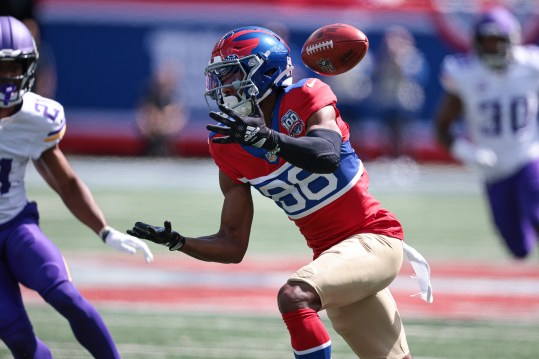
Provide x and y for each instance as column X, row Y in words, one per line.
column 31, row 127
column 495, row 90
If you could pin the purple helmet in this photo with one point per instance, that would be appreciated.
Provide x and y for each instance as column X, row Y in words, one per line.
column 16, row 45
column 502, row 26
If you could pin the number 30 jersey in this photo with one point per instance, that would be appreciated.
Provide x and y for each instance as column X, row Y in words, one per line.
column 327, row 208
column 36, row 127
column 500, row 107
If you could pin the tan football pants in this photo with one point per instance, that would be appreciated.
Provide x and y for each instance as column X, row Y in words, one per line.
column 351, row 279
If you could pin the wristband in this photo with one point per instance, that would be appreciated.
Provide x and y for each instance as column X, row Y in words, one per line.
column 103, row 233
column 178, row 245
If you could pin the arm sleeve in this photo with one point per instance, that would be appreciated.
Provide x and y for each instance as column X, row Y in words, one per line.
column 318, row 152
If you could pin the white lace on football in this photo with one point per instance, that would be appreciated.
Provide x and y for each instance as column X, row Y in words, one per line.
column 321, row 46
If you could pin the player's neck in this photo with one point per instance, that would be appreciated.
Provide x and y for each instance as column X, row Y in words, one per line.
column 267, row 107
column 8, row 111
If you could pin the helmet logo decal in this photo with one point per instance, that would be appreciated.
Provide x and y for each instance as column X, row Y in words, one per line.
column 292, row 123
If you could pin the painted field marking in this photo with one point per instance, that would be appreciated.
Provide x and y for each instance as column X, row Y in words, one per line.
column 461, row 290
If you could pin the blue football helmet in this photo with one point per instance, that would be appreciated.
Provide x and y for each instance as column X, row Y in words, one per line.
column 16, row 45
column 501, row 26
column 246, row 65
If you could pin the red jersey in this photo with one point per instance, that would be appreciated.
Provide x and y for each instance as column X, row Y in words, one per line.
column 327, row 208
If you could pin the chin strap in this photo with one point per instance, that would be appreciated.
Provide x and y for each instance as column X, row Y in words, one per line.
column 276, row 81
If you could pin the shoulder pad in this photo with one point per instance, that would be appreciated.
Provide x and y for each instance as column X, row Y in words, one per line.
column 453, row 68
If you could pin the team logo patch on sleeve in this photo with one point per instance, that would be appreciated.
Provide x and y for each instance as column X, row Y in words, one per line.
column 292, row 123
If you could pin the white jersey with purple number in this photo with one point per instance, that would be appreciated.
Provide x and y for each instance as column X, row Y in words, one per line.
column 500, row 107
column 38, row 126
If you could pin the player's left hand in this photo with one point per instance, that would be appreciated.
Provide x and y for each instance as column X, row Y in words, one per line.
column 245, row 130
column 125, row 243
column 160, row 235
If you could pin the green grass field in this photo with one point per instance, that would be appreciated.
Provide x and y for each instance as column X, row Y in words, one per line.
column 443, row 219
column 158, row 333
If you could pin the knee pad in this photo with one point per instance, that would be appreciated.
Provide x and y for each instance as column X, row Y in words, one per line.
column 296, row 295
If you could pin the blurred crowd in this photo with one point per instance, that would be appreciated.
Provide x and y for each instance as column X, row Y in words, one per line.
column 387, row 87
column 387, row 99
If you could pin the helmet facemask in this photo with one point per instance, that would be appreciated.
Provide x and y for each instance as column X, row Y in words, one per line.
column 495, row 34
column 13, row 87
column 495, row 51
column 229, row 83
column 17, row 47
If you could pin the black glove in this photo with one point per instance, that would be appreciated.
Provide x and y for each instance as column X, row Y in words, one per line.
column 160, row 235
column 245, row 130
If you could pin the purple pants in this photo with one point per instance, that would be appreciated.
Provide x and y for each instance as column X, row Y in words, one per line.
column 28, row 257
column 514, row 204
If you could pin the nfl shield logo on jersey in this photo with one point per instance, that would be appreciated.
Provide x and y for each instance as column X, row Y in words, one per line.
column 271, row 156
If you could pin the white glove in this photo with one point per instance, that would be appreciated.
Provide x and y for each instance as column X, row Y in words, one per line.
column 471, row 154
column 125, row 243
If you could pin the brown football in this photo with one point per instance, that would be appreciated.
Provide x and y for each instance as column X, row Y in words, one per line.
column 334, row 49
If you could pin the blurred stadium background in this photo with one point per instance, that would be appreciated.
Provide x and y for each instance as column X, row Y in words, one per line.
column 106, row 50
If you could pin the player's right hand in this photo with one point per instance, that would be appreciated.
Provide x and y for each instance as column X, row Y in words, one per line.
column 245, row 130
column 472, row 154
column 160, row 235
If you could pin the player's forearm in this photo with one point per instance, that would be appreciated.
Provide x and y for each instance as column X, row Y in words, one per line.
column 445, row 138
column 80, row 201
column 214, row 248
column 443, row 129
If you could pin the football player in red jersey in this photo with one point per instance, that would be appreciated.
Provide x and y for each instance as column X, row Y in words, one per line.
column 289, row 142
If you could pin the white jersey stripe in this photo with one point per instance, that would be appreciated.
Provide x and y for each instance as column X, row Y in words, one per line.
column 312, row 350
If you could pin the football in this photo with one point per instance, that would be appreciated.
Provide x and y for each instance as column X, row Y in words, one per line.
column 334, row 49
